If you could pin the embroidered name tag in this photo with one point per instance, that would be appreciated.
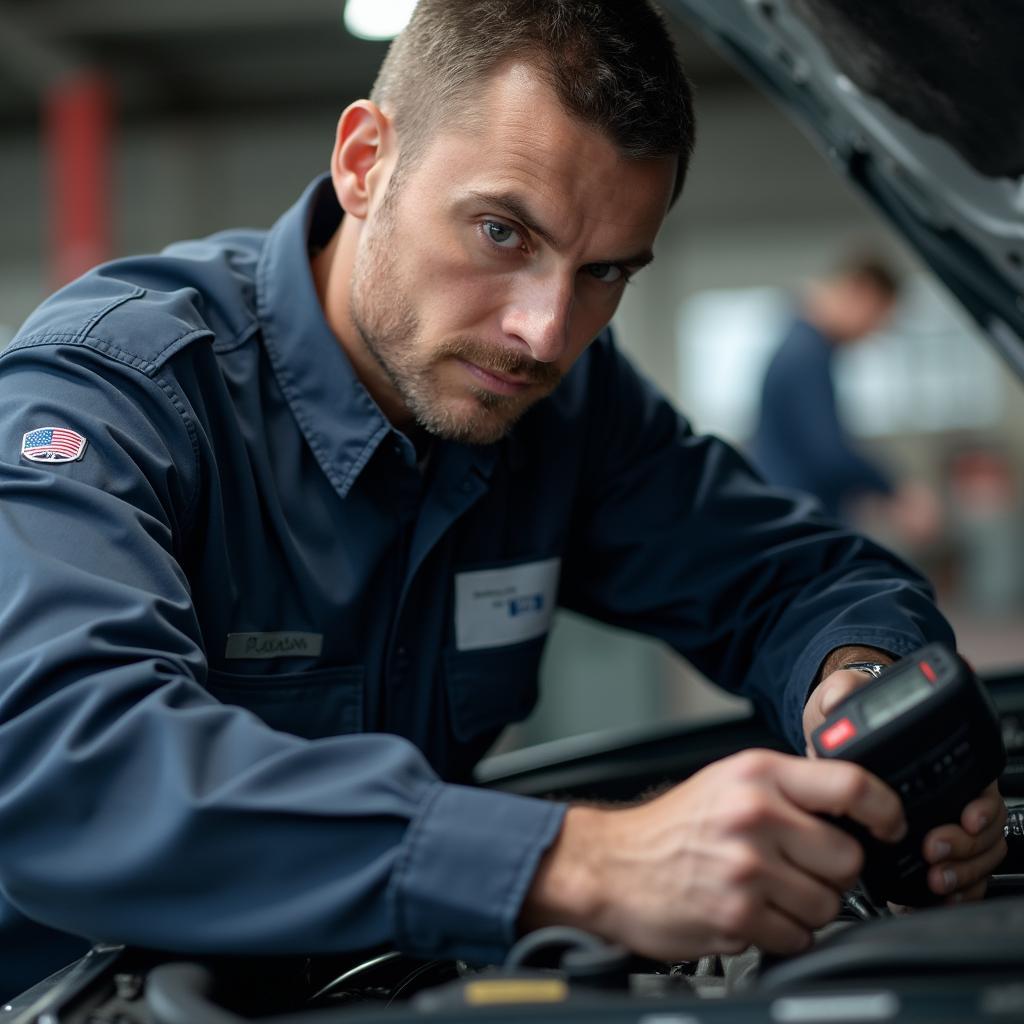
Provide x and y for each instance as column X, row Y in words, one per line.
column 274, row 645
column 494, row 607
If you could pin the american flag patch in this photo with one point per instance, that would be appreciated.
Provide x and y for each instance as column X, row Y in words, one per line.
column 53, row 444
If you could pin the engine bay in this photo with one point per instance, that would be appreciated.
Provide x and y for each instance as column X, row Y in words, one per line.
column 953, row 963
column 961, row 962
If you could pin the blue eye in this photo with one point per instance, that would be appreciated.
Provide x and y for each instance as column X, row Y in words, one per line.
column 501, row 234
column 606, row 273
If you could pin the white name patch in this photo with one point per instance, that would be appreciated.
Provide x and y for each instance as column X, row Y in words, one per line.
column 495, row 607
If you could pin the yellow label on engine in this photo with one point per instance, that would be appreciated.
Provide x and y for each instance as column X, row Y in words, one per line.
column 516, row 990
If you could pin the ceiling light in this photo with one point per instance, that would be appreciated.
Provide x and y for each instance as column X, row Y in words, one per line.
column 377, row 19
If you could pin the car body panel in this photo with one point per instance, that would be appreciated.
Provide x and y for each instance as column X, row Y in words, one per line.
column 966, row 224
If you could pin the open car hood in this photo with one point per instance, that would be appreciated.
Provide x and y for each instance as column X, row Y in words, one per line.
column 919, row 104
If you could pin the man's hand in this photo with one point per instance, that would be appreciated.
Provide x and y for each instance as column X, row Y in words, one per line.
column 735, row 855
column 963, row 855
column 828, row 694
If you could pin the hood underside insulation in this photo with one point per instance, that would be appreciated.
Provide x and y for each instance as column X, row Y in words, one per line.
column 953, row 69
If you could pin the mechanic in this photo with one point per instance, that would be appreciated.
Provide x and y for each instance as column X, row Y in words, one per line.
column 284, row 517
column 803, row 443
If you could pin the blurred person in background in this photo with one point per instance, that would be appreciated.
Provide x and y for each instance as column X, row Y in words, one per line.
column 800, row 440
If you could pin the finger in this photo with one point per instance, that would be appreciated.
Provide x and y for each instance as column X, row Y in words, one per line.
column 951, row 877
column 970, row 895
column 841, row 788
column 803, row 899
column 828, row 695
column 839, row 686
column 822, row 850
column 984, row 811
column 951, row 842
column 777, row 932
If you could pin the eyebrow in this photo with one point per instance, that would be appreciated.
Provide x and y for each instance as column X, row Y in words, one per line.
column 518, row 210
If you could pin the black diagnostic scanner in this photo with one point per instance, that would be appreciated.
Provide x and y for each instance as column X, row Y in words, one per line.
column 927, row 728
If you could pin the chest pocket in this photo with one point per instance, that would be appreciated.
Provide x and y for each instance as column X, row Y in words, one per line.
column 324, row 702
column 493, row 687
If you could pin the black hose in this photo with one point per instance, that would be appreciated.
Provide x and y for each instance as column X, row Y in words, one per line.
column 546, row 946
column 180, row 994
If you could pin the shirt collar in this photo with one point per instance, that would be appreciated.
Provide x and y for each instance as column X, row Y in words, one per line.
column 338, row 416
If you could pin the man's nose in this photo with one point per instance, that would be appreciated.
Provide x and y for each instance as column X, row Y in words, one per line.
column 540, row 315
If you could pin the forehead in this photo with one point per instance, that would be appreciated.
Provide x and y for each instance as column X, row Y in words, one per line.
column 516, row 136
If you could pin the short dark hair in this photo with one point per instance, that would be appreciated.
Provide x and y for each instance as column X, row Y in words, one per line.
column 872, row 268
column 612, row 64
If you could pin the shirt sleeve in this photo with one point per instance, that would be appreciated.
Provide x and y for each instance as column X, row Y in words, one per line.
column 676, row 536
column 136, row 808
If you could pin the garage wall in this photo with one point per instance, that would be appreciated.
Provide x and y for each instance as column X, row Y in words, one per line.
column 174, row 180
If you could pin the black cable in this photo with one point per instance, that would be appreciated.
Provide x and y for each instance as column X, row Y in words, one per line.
column 354, row 972
column 861, row 906
column 411, row 978
column 1013, row 833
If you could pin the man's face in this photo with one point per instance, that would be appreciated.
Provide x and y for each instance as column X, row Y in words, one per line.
column 865, row 308
column 494, row 261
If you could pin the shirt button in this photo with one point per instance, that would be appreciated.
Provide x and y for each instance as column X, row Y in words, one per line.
column 467, row 486
column 402, row 650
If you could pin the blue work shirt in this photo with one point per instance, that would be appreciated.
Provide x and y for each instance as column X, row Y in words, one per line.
column 800, row 441
column 250, row 649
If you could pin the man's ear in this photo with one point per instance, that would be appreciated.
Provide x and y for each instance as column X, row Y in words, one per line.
column 362, row 157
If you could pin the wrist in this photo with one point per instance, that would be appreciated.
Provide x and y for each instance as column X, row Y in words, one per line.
column 871, row 668
column 843, row 656
column 567, row 888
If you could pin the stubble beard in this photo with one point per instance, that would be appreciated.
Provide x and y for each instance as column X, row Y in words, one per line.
column 391, row 332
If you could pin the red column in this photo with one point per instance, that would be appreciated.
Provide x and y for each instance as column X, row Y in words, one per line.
column 78, row 119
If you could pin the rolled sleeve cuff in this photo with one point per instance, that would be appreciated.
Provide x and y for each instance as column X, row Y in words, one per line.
column 467, row 861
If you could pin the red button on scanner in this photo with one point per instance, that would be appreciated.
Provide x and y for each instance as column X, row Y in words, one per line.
column 837, row 734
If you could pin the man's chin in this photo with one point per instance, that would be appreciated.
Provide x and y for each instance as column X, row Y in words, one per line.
column 474, row 432
column 480, row 424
